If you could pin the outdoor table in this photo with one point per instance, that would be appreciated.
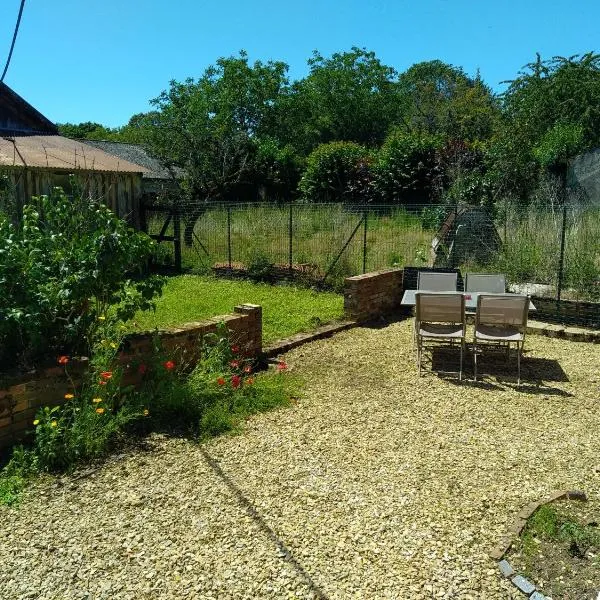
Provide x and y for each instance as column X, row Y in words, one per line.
column 408, row 298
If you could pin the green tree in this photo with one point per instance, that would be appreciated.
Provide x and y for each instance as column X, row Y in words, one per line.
column 350, row 96
column 337, row 172
column 440, row 99
column 210, row 127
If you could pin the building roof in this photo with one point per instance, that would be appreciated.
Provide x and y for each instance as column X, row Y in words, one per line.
column 140, row 156
column 57, row 152
column 17, row 116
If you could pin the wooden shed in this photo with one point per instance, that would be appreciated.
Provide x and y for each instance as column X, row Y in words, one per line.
column 36, row 159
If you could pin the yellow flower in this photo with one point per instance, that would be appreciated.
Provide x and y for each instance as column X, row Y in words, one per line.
column 96, row 400
column 99, row 410
column 69, row 396
column 54, row 423
column 101, row 318
column 36, row 422
column 146, row 412
column 113, row 345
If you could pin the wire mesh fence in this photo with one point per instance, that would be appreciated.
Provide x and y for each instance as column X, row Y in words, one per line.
column 551, row 252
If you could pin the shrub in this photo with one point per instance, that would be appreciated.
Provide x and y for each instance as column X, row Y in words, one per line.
column 66, row 262
column 95, row 414
column 405, row 170
column 338, row 172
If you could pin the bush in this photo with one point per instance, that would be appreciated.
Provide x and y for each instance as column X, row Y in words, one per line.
column 406, row 169
column 65, row 263
column 338, row 172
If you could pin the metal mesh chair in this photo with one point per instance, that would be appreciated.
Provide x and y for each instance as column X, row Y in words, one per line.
column 484, row 282
column 437, row 282
column 501, row 319
column 440, row 318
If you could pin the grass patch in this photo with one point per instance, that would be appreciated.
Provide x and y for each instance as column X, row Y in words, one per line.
column 286, row 309
column 558, row 550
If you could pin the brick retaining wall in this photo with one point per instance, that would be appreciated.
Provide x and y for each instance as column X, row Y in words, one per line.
column 372, row 295
column 21, row 396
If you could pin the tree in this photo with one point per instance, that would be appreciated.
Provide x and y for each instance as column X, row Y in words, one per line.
column 551, row 113
column 350, row 96
column 440, row 99
column 210, row 127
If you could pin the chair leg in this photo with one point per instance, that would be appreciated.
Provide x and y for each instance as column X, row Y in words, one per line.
column 519, row 350
column 462, row 348
column 419, row 352
column 474, row 360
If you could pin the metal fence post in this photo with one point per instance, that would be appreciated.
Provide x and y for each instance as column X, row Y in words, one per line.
column 177, row 235
column 290, row 237
column 562, row 253
column 229, row 235
column 365, row 219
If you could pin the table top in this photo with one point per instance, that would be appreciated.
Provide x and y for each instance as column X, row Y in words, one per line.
column 408, row 298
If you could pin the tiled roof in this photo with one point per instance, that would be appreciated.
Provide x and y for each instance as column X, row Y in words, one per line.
column 57, row 152
column 139, row 155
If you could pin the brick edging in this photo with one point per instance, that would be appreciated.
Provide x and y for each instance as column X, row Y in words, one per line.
column 522, row 583
column 287, row 344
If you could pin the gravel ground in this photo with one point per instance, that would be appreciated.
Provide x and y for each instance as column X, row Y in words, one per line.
column 376, row 484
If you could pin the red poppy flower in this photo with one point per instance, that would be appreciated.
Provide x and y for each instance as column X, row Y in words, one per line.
column 247, row 369
column 221, row 381
column 142, row 369
column 63, row 360
column 235, row 349
column 169, row 365
column 106, row 374
column 234, row 364
column 281, row 366
column 236, row 381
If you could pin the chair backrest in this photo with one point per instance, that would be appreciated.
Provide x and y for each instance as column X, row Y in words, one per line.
column 440, row 308
column 437, row 282
column 503, row 309
column 484, row 282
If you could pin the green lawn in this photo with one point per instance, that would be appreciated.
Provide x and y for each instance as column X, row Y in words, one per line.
column 286, row 309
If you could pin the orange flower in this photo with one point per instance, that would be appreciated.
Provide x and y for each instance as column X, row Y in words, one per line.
column 250, row 381
column 63, row 360
column 69, row 396
column 100, row 410
column 248, row 369
column 169, row 365
column 102, row 382
column 221, row 381
column 106, row 374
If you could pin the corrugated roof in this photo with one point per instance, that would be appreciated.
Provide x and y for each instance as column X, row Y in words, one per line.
column 139, row 155
column 57, row 152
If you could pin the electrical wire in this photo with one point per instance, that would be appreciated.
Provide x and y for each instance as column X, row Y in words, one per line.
column 12, row 46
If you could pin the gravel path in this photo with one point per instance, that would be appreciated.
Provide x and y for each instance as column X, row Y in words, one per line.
column 376, row 484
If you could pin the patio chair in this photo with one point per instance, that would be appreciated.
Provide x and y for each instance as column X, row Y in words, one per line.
column 437, row 282
column 440, row 318
column 484, row 282
column 501, row 319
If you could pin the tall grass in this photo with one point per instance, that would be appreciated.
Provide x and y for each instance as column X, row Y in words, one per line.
column 322, row 241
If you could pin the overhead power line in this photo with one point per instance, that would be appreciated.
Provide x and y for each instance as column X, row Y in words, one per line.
column 12, row 46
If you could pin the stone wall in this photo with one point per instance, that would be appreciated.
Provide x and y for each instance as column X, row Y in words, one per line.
column 372, row 295
column 21, row 396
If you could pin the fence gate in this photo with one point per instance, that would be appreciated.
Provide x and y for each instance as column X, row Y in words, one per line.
column 163, row 224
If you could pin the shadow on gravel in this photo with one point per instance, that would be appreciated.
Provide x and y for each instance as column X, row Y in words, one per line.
column 264, row 526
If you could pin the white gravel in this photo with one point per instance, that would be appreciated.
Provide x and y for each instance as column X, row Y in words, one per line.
column 378, row 483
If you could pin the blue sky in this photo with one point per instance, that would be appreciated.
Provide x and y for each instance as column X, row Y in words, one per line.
column 103, row 61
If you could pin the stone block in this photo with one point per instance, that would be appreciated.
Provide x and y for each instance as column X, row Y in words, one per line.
column 505, row 568
column 524, row 585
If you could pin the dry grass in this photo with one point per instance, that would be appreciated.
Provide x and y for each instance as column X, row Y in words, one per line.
column 380, row 484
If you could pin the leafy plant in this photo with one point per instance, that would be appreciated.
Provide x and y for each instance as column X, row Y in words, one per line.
column 66, row 262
